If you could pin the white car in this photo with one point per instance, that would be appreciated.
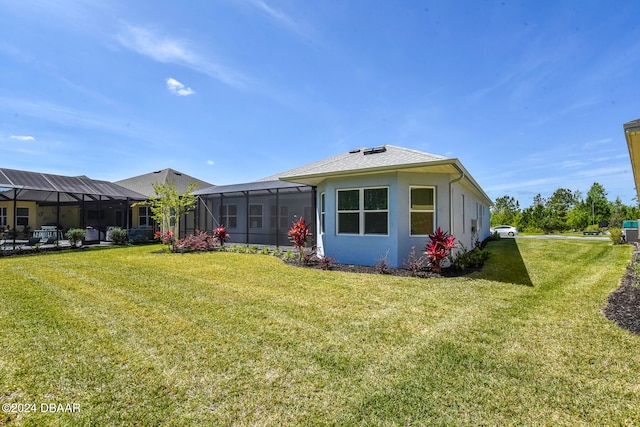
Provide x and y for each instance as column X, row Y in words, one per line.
column 504, row 230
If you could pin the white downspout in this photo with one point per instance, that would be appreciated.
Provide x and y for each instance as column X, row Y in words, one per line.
column 451, row 228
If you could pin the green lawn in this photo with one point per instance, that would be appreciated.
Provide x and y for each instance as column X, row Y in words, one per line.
column 140, row 338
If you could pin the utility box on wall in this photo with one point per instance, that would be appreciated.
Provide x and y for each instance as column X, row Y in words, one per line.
column 630, row 230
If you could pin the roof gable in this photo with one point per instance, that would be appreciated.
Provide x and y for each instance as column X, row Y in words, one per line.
column 144, row 183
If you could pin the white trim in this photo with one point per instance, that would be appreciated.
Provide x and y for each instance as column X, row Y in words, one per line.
column 323, row 212
column 361, row 211
column 3, row 216
column 433, row 226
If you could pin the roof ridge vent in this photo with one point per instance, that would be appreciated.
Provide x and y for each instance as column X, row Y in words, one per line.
column 375, row 150
column 357, row 150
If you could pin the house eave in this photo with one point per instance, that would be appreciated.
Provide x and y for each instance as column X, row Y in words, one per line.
column 632, row 135
column 451, row 166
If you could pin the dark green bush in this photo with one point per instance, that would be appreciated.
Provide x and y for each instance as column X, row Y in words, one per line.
column 466, row 259
column 119, row 236
column 75, row 235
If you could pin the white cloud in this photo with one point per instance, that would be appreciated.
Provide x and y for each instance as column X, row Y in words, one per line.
column 22, row 137
column 210, row 162
column 175, row 51
column 178, row 88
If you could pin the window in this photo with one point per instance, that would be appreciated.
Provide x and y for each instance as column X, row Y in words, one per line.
column 322, row 210
column 422, row 210
column 363, row 211
column 281, row 220
column 255, row 216
column 22, row 216
column 144, row 216
column 3, row 217
column 229, row 216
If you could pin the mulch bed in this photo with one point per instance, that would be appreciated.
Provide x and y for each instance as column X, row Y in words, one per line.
column 400, row 272
column 623, row 306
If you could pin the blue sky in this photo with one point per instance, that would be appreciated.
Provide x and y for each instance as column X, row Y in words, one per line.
column 530, row 96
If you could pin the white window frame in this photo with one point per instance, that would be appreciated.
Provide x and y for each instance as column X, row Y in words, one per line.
column 260, row 217
column 3, row 216
column 322, row 212
column 361, row 211
column 146, row 216
column 411, row 210
column 19, row 217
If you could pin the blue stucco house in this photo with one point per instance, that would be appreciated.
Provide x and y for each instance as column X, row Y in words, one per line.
column 382, row 201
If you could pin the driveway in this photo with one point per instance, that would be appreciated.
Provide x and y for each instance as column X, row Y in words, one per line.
column 557, row 236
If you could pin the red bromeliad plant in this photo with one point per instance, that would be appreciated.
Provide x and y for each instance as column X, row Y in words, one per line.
column 166, row 237
column 299, row 234
column 220, row 234
column 439, row 247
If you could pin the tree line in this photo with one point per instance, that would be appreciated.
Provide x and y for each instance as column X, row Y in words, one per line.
column 564, row 210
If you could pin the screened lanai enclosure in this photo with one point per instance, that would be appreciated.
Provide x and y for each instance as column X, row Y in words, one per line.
column 38, row 205
column 255, row 213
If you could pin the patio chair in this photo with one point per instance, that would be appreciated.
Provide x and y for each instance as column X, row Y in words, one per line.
column 32, row 242
column 51, row 240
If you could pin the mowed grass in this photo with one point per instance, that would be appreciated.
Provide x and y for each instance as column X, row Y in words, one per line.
column 142, row 338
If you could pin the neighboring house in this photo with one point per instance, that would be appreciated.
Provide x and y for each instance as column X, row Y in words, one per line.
column 144, row 184
column 32, row 200
column 632, row 134
column 362, row 205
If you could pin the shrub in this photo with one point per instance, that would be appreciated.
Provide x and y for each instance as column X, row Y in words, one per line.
column 414, row 263
column 616, row 235
column 326, row 262
column 465, row 259
column 289, row 255
column 265, row 251
column 199, row 242
column 493, row 236
column 75, row 235
column 299, row 234
column 382, row 264
column 166, row 237
column 593, row 227
column 221, row 235
column 119, row 236
column 439, row 248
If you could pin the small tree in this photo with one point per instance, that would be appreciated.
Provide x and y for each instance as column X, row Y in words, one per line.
column 168, row 206
column 439, row 247
column 299, row 234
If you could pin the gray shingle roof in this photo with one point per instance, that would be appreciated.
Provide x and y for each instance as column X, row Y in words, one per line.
column 144, row 183
column 632, row 124
column 50, row 183
column 362, row 159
